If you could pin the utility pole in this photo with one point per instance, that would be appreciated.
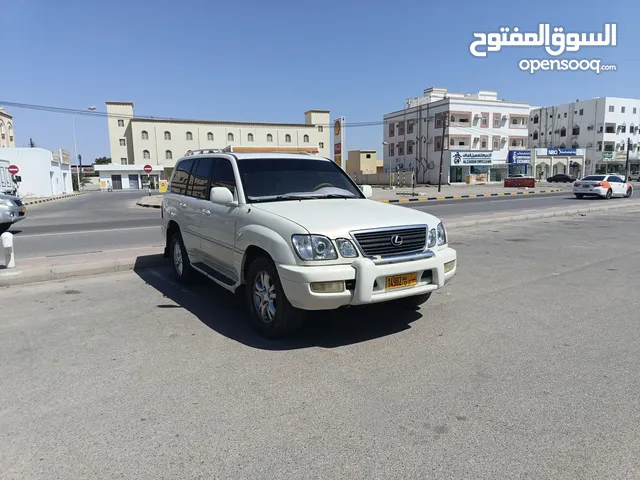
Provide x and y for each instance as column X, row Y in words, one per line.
column 445, row 120
column 627, row 166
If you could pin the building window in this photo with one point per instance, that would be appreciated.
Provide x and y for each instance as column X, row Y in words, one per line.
column 321, row 145
column 210, row 136
column 575, row 145
column 483, row 144
column 496, row 143
column 484, row 121
column 409, row 148
column 250, row 137
column 168, row 155
column 121, row 123
column 230, row 137
column 536, row 119
column 305, row 139
column 145, row 135
column 581, row 111
column 565, row 114
column 410, row 126
column 320, row 129
column 146, row 155
column 287, row 138
column 189, row 136
column 368, row 155
column 562, row 145
column 392, row 129
column 576, row 130
column 611, row 109
column 391, row 150
column 563, row 132
column 400, row 132
column 123, row 161
column 437, row 144
column 635, row 110
column 514, row 143
column 599, row 146
column 167, row 135
column 269, row 138
column 623, row 109
column 123, row 142
column 535, row 135
column 496, row 120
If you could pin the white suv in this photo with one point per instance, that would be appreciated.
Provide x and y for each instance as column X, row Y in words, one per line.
column 300, row 234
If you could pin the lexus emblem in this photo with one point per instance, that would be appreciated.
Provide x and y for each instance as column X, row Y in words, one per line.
column 396, row 240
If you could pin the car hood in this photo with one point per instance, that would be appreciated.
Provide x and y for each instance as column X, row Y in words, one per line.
column 336, row 217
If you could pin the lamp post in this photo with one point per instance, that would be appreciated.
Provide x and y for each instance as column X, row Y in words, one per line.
column 384, row 144
column 75, row 146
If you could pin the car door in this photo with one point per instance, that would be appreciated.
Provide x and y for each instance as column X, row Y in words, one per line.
column 198, row 194
column 219, row 227
column 617, row 185
column 182, row 208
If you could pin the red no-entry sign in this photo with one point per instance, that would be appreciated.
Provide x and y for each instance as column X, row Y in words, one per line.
column 148, row 169
column 13, row 169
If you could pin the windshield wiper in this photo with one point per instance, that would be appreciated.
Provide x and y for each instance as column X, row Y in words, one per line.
column 275, row 198
column 335, row 195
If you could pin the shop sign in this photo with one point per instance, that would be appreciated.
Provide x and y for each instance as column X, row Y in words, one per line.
column 468, row 157
column 561, row 152
column 519, row 157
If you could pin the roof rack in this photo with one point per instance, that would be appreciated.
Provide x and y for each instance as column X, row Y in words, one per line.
column 203, row 151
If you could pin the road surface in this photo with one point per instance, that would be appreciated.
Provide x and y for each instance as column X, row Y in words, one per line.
column 526, row 366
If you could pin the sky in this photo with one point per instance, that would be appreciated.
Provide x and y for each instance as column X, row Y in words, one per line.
column 270, row 61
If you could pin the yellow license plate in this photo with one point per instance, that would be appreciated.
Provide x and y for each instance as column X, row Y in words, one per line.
column 24, row 209
column 404, row 280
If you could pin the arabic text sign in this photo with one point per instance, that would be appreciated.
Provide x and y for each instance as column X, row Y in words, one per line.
column 468, row 158
column 561, row 152
column 555, row 41
column 518, row 157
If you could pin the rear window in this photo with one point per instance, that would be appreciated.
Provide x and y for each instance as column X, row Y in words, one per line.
column 595, row 178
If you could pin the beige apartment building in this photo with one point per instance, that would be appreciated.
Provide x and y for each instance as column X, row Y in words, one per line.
column 141, row 141
column 363, row 162
column 7, row 136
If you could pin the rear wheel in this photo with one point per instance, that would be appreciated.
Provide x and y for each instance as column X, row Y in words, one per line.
column 579, row 195
column 629, row 193
column 413, row 302
column 270, row 312
column 608, row 194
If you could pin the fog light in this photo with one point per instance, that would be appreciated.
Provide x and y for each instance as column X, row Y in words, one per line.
column 449, row 266
column 327, row 287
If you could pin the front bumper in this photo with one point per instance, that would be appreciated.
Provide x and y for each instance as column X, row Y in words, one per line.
column 366, row 281
column 12, row 214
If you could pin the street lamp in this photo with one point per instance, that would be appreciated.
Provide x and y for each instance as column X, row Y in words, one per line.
column 75, row 145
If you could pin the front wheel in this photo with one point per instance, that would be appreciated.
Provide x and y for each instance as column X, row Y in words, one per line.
column 608, row 194
column 414, row 301
column 270, row 312
column 180, row 259
column 629, row 193
column 579, row 195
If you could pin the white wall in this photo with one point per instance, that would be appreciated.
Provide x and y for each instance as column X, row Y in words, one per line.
column 41, row 177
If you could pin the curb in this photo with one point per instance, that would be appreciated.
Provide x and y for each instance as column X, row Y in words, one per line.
column 17, row 277
column 51, row 199
column 536, row 216
column 462, row 197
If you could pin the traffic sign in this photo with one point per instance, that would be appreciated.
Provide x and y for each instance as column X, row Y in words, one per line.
column 148, row 169
column 13, row 169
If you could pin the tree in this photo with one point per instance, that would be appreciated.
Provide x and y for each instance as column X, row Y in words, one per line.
column 102, row 161
column 84, row 181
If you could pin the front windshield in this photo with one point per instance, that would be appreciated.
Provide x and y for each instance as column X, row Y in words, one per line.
column 277, row 179
column 594, row 178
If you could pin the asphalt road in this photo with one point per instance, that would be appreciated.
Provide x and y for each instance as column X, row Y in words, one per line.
column 525, row 366
column 104, row 221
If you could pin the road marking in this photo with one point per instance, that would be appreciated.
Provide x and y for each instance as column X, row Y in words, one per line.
column 34, row 235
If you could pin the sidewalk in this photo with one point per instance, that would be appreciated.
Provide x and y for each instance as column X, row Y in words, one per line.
column 35, row 200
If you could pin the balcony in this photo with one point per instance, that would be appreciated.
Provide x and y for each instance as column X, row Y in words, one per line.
column 519, row 123
column 460, row 119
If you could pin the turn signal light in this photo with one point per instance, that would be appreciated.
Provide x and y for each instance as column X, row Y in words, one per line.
column 599, row 184
column 327, row 287
column 449, row 266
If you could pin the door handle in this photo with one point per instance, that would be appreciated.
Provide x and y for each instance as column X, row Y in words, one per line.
column 206, row 212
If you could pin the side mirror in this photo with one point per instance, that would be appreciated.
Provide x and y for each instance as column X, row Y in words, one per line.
column 221, row 196
column 367, row 191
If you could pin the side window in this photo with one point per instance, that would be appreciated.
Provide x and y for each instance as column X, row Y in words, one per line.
column 223, row 175
column 180, row 178
column 199, row 188
column 615, row 179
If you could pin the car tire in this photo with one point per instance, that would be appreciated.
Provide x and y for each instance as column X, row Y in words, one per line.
column 182, row 270
column 629, row 193
column 579, row 195
column 608, row 194
column 4, row 227
column 270, row 312
column 414, row 301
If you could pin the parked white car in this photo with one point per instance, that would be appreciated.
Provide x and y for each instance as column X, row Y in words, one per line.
column 300, row 234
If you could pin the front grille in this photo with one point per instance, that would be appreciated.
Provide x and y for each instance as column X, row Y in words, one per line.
column 18, row 202
column 379, row 242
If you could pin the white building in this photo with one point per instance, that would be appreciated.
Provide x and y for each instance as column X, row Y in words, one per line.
column 7, row 136
column 129, row 177
column 43, row 173
column 140, row 141
column 601, row 127
column 480, row 132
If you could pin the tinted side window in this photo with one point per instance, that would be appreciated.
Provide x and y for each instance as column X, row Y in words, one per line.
column 201, row 173
column 615, row 179
column 223, row 175
column 180, row 179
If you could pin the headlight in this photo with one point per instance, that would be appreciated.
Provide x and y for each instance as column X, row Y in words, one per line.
column 442, row 234
column 313, row 247
column 432, row 238
column 346, row 248
column 5, row 202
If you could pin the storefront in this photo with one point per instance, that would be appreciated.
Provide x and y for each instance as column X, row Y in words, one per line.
column 555, row 161
column 129, row 177
column 479, row 164
column 613, row 162
column 519, row 162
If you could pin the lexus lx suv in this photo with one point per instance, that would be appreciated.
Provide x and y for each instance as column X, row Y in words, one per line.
column 299, row 235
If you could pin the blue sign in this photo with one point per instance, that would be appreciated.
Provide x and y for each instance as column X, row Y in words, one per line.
column 519, row 157
column 562, row 152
